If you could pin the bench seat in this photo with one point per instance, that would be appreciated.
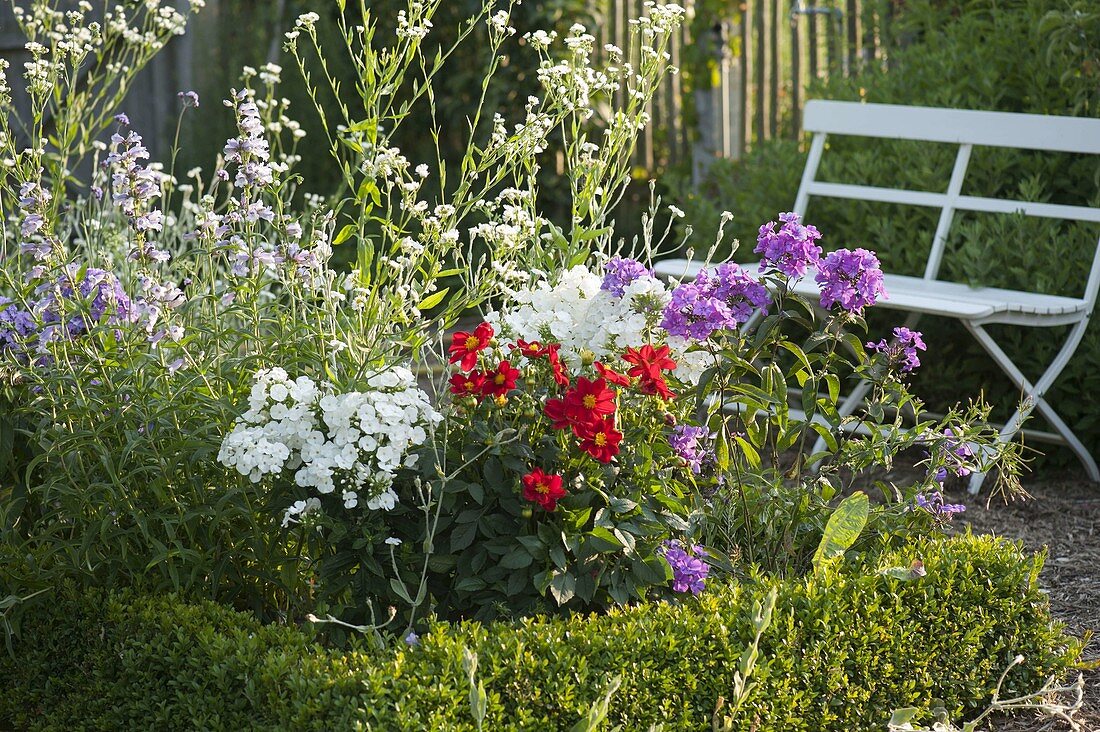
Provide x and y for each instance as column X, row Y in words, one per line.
column 930, row 297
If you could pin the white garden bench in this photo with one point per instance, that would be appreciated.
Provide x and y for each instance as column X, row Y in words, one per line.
column 929, row 295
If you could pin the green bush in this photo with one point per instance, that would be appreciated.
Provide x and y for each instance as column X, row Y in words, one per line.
column 1034, row 56
column 843, row 649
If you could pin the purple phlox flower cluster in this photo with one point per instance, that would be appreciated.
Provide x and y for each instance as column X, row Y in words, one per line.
column 850, row 278
column 33, row 201
column 619, row 272
column 252, row 261
column 709, row 303
column 188, row 98
column 135, row 186
column 792, row 249
column 689, row 572
column 689, row 442
column 249, row 150
column 933, row 503
column 82, row 298
column 16, row 324
column 902, row 350
column 959, row 455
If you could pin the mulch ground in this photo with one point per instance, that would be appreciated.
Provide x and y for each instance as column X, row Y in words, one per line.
column 1062, row 516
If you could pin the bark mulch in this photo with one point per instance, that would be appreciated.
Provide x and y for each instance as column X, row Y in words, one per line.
column 1063, row 517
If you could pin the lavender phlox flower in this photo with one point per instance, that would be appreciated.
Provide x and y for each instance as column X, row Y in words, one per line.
column 850, row 278
column 958, row 453
column 189, row 98
column 689, row 572
column 32, row 196
column 720, row 301
column 933, row 503
column 16, row 325
column 31, row 225
column 686, row 441
column 792, row 249
column 619, row 272
column 122, row 119
column 902, row 350
column 148, row 252
column 134, row 184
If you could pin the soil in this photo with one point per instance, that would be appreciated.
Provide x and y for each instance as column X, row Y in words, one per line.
column 1062, row 516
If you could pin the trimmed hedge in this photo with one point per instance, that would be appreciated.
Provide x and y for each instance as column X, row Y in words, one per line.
column 844, row 648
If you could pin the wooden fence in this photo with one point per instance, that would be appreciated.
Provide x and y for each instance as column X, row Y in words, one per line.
column 746, row 68
column 751, row 64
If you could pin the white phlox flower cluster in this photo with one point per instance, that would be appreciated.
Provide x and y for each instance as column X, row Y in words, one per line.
column 353, row 441
column 581, row 316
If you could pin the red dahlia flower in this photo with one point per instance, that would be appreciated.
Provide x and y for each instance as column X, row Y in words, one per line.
column 649, row 362
column 543, row 488
column 500, row 381
column 602, row 440
column 464, row 385
column 534, row 349
column 561, row 376
column 612, row 376
column 589, row 400
column 465, row 346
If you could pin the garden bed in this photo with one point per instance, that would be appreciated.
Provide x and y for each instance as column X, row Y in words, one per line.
column 1064, row 517
column 839, row 651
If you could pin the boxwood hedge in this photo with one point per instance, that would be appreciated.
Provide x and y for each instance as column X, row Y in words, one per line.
column 844, row 648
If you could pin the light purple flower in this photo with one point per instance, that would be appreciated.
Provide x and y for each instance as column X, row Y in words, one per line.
column 685, row 441
column 689, row 572
column 721, row 301
column 902, row 351
column 189, row 98
column 619, row 272
column 850, row 278
column 933, row 503
column 958, row 454
column 790, row 250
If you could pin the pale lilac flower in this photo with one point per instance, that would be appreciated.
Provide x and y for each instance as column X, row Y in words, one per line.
column 721, row 301
column 933, row 503
column 902, row 351
column 689, row 573
column 189, row 98
column 852, row 279
column 619, row 272
column 790, row 250
column 685, row 441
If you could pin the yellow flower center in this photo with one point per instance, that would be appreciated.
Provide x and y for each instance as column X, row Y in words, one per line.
column 472, row 343
column 600, row 439
column 499, row 379
column 542, row 487
column 589, row 401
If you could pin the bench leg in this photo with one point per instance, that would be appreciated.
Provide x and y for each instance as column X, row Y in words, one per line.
column 1034, row 394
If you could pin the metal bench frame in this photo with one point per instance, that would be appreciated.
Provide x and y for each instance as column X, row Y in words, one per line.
column 974, row 307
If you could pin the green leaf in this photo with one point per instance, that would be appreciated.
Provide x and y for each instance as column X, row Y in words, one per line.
column 562, row 587
column 344, row 235
column 432, row 300
column 843, row 528
column 518, row 558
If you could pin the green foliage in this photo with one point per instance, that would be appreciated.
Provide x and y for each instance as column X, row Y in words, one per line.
column 1034, row 56
column 841, row 650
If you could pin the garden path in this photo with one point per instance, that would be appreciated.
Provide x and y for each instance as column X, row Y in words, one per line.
column 1064, row 516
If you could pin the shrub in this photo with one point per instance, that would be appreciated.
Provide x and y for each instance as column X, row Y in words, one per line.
column 1035, row 56
column 843, row 648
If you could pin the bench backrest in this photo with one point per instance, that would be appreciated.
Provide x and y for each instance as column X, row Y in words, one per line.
column 966, row 128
